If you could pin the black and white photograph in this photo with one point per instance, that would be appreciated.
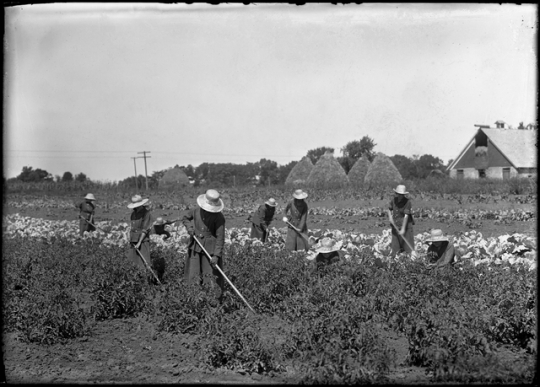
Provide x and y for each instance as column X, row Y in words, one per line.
column 270, row 193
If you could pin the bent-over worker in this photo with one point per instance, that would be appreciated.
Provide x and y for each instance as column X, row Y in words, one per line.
column 261, row 219
column 159, row 227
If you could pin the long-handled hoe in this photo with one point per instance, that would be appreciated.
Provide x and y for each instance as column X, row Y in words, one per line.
column 413, row 252
column 302, row 235
column 147, row 265
column 93, row 225
column 223, row 274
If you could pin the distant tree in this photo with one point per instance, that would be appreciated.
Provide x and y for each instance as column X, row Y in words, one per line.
column 405, row 166
column 356, row 149
column 346, row 162
column 315, row 154
column 189, row 170
column 30, row 175
column 129, row 182
column 427, row 163
column 268, row 172
column 67, row 176
column 80, row 177
column 284, row 170
column 57, row 178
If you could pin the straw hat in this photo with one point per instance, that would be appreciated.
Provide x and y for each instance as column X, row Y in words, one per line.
column 436, row 236
column 400, row 189
column 327, row 245
column 210, row 201
column 299, row 194
column 137, row 201
column 271, row 202
column 89, row 197
column 159, row 220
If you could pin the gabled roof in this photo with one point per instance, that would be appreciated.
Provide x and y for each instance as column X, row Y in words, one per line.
column 517, row 145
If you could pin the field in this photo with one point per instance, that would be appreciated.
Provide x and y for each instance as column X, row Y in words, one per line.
column 76, row 311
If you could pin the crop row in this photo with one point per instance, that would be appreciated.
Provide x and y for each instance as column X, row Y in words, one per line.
column 324, row 323
column 238, row 207
column 515, row 249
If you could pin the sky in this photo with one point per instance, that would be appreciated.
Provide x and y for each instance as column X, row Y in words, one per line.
column 89, row 86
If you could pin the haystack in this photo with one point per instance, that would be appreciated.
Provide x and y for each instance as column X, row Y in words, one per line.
column 328, row 173
column 174, row 177
column 300, row 172
column 382, row 171
column 358, row 171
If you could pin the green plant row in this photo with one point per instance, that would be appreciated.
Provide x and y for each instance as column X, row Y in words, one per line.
column 323, row 322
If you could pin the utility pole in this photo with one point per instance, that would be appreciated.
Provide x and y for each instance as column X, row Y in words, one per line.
column 145, row 172
column 136, row 179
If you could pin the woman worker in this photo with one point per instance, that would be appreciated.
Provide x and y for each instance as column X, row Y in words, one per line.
column 261, row 219
column 400, row 216
column 298, row 211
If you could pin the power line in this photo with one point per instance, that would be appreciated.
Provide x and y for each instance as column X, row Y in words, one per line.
column 155, row 152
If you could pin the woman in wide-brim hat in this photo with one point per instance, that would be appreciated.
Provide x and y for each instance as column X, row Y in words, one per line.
column 400, row 214
column 86, row 214
column 139, row 233
column 441, row 252
column 261, row 219
column 327, row 251
column 296, row 212
column 207, row 224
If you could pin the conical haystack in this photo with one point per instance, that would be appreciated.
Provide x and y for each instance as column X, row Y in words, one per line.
column 300, row 172
column 174, row 177
column 382, row 171
column 328, row 173
column 358, row 172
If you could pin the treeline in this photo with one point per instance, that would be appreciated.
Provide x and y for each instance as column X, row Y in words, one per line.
column 261, row 173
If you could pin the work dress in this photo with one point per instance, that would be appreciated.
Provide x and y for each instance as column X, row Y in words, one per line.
column 260, row 220
column 209, row 229
column 399, row 210
column 140, row 220
column 443, row 255
column 297, row 213
column 87, row 209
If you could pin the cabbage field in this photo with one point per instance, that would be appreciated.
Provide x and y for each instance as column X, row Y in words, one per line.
column 75, row 309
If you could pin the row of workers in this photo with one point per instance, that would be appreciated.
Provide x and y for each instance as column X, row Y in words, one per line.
column 207, row 223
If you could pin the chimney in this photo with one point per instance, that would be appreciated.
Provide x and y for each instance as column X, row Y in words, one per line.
column 500, row 124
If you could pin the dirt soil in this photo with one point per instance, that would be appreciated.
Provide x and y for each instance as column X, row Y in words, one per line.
column 130, row 351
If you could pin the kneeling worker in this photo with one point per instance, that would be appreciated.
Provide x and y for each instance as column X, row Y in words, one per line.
column 441, row 252
column 159, row 227
column 327, row 251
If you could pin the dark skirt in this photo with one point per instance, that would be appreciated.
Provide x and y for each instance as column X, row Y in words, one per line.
column 398, row 243
column 295, row 242
column 258, row 233
column 136, row 259
column 198, row 270
column 85, row 226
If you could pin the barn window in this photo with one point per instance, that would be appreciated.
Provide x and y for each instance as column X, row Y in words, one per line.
column 482, row 173
column 460, row 173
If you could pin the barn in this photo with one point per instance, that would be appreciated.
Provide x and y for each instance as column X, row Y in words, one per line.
column 498, row 153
